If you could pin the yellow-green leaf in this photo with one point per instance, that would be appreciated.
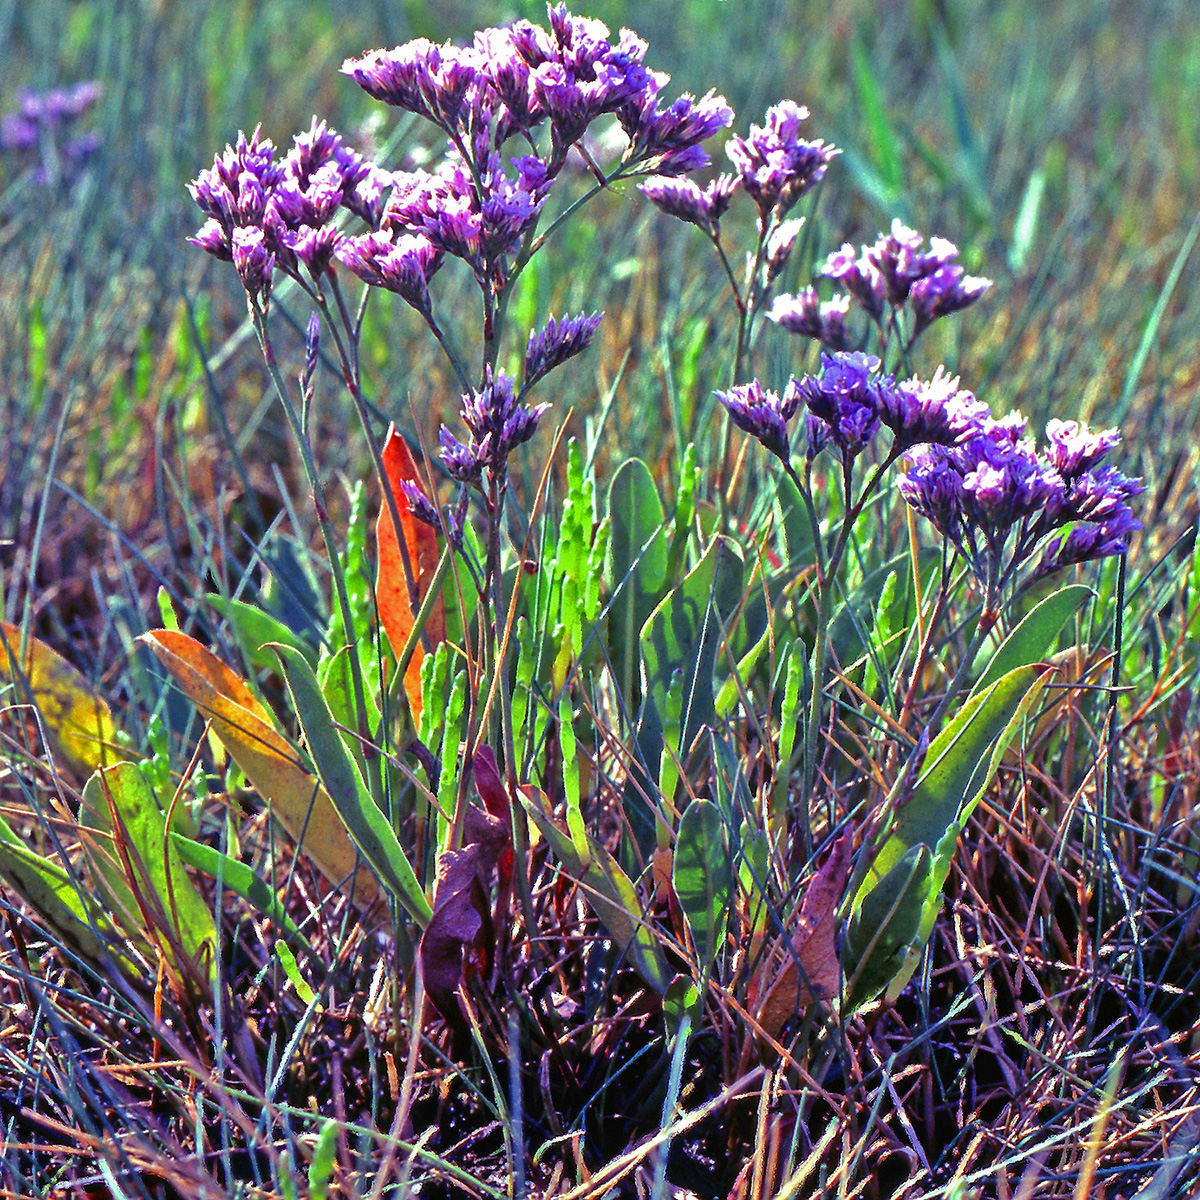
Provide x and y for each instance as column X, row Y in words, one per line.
column 156, row 900
column 78, row 723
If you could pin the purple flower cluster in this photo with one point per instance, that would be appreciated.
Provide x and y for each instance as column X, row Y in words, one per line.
column 499, row 421
column 996, row 498
column 264, row 213
column 510, row 82
column 849, row 401
column 981, row 482
column 38, row 127
column 899, row 270
column 775, row 166
column 764, row 414
column 474, row 205
column 497, row 415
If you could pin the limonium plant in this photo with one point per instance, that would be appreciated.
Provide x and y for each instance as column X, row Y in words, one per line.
column 515, row 108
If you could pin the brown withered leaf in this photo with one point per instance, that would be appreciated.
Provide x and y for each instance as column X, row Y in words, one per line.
column 784, row 993
column 461, row 932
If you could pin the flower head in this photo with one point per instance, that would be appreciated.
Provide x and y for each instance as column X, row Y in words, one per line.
column 806, row 314
column 402, row 264
column 847, row 396
column 763, row 414
column 776, row 165
column 936, row 411
column 557, row 342
column 687, row 200
column 997, row 498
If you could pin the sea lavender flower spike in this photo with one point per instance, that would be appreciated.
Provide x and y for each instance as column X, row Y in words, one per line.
column 806, row 314
column 419, row 77
column 946, row 290
column 860, row 277
column 936, row 411
column 763, row 414
column 848, row 397
column 497, row 417
column 402, row 264
column 556, row 343
column 776, row 165
column 997, row 499
column 670, row 137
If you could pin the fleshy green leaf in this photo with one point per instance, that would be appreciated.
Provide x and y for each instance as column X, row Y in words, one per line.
column 239, row 878
column 884, row 926
column 340, row 777
column 47, row 888
column 1035, row 633
column 156, row 901
column 270, row 762
column 702, row 875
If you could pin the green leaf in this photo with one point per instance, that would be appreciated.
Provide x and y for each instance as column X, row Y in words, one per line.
column 960, row 764
column 1035, row 634
column 958, row 767
column 881, row 931
column 637, row 568
column 682, row 635
column 702, row 876
column 292, row 970
column 256, row 627
column 140, row 857
column 1025, row 226
column 323, row 1160
column 339, row 774
column 239, row 878
column 607, row 889
column 48, row 889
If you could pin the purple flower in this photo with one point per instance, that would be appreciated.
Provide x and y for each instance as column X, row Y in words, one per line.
column 1086, row 543
column 235, row 192
column 420, row 77
column 901, row 259
column 936, row 411
column 685, row 199
column 780, row 244
column 945, row 291
column 672, row 135
column 847, row 397
column 498, row 422
column 254, row 262
column 403, row 264
column 314, row 247
column 860, row 277
column 996, row 498
column 763, row 414
column 419, row 504
column 556, row 343
column 463, row 462
column 1074, row 450
column 806, row 314
column 776, row 165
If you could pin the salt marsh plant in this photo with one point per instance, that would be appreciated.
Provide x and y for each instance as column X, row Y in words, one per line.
column 626, row 787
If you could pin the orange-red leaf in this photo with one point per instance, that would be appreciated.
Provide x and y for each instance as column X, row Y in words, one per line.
column 407, row 564
column 244, row 727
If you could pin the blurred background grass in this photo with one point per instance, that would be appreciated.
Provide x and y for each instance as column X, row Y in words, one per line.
column 1056, row 143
